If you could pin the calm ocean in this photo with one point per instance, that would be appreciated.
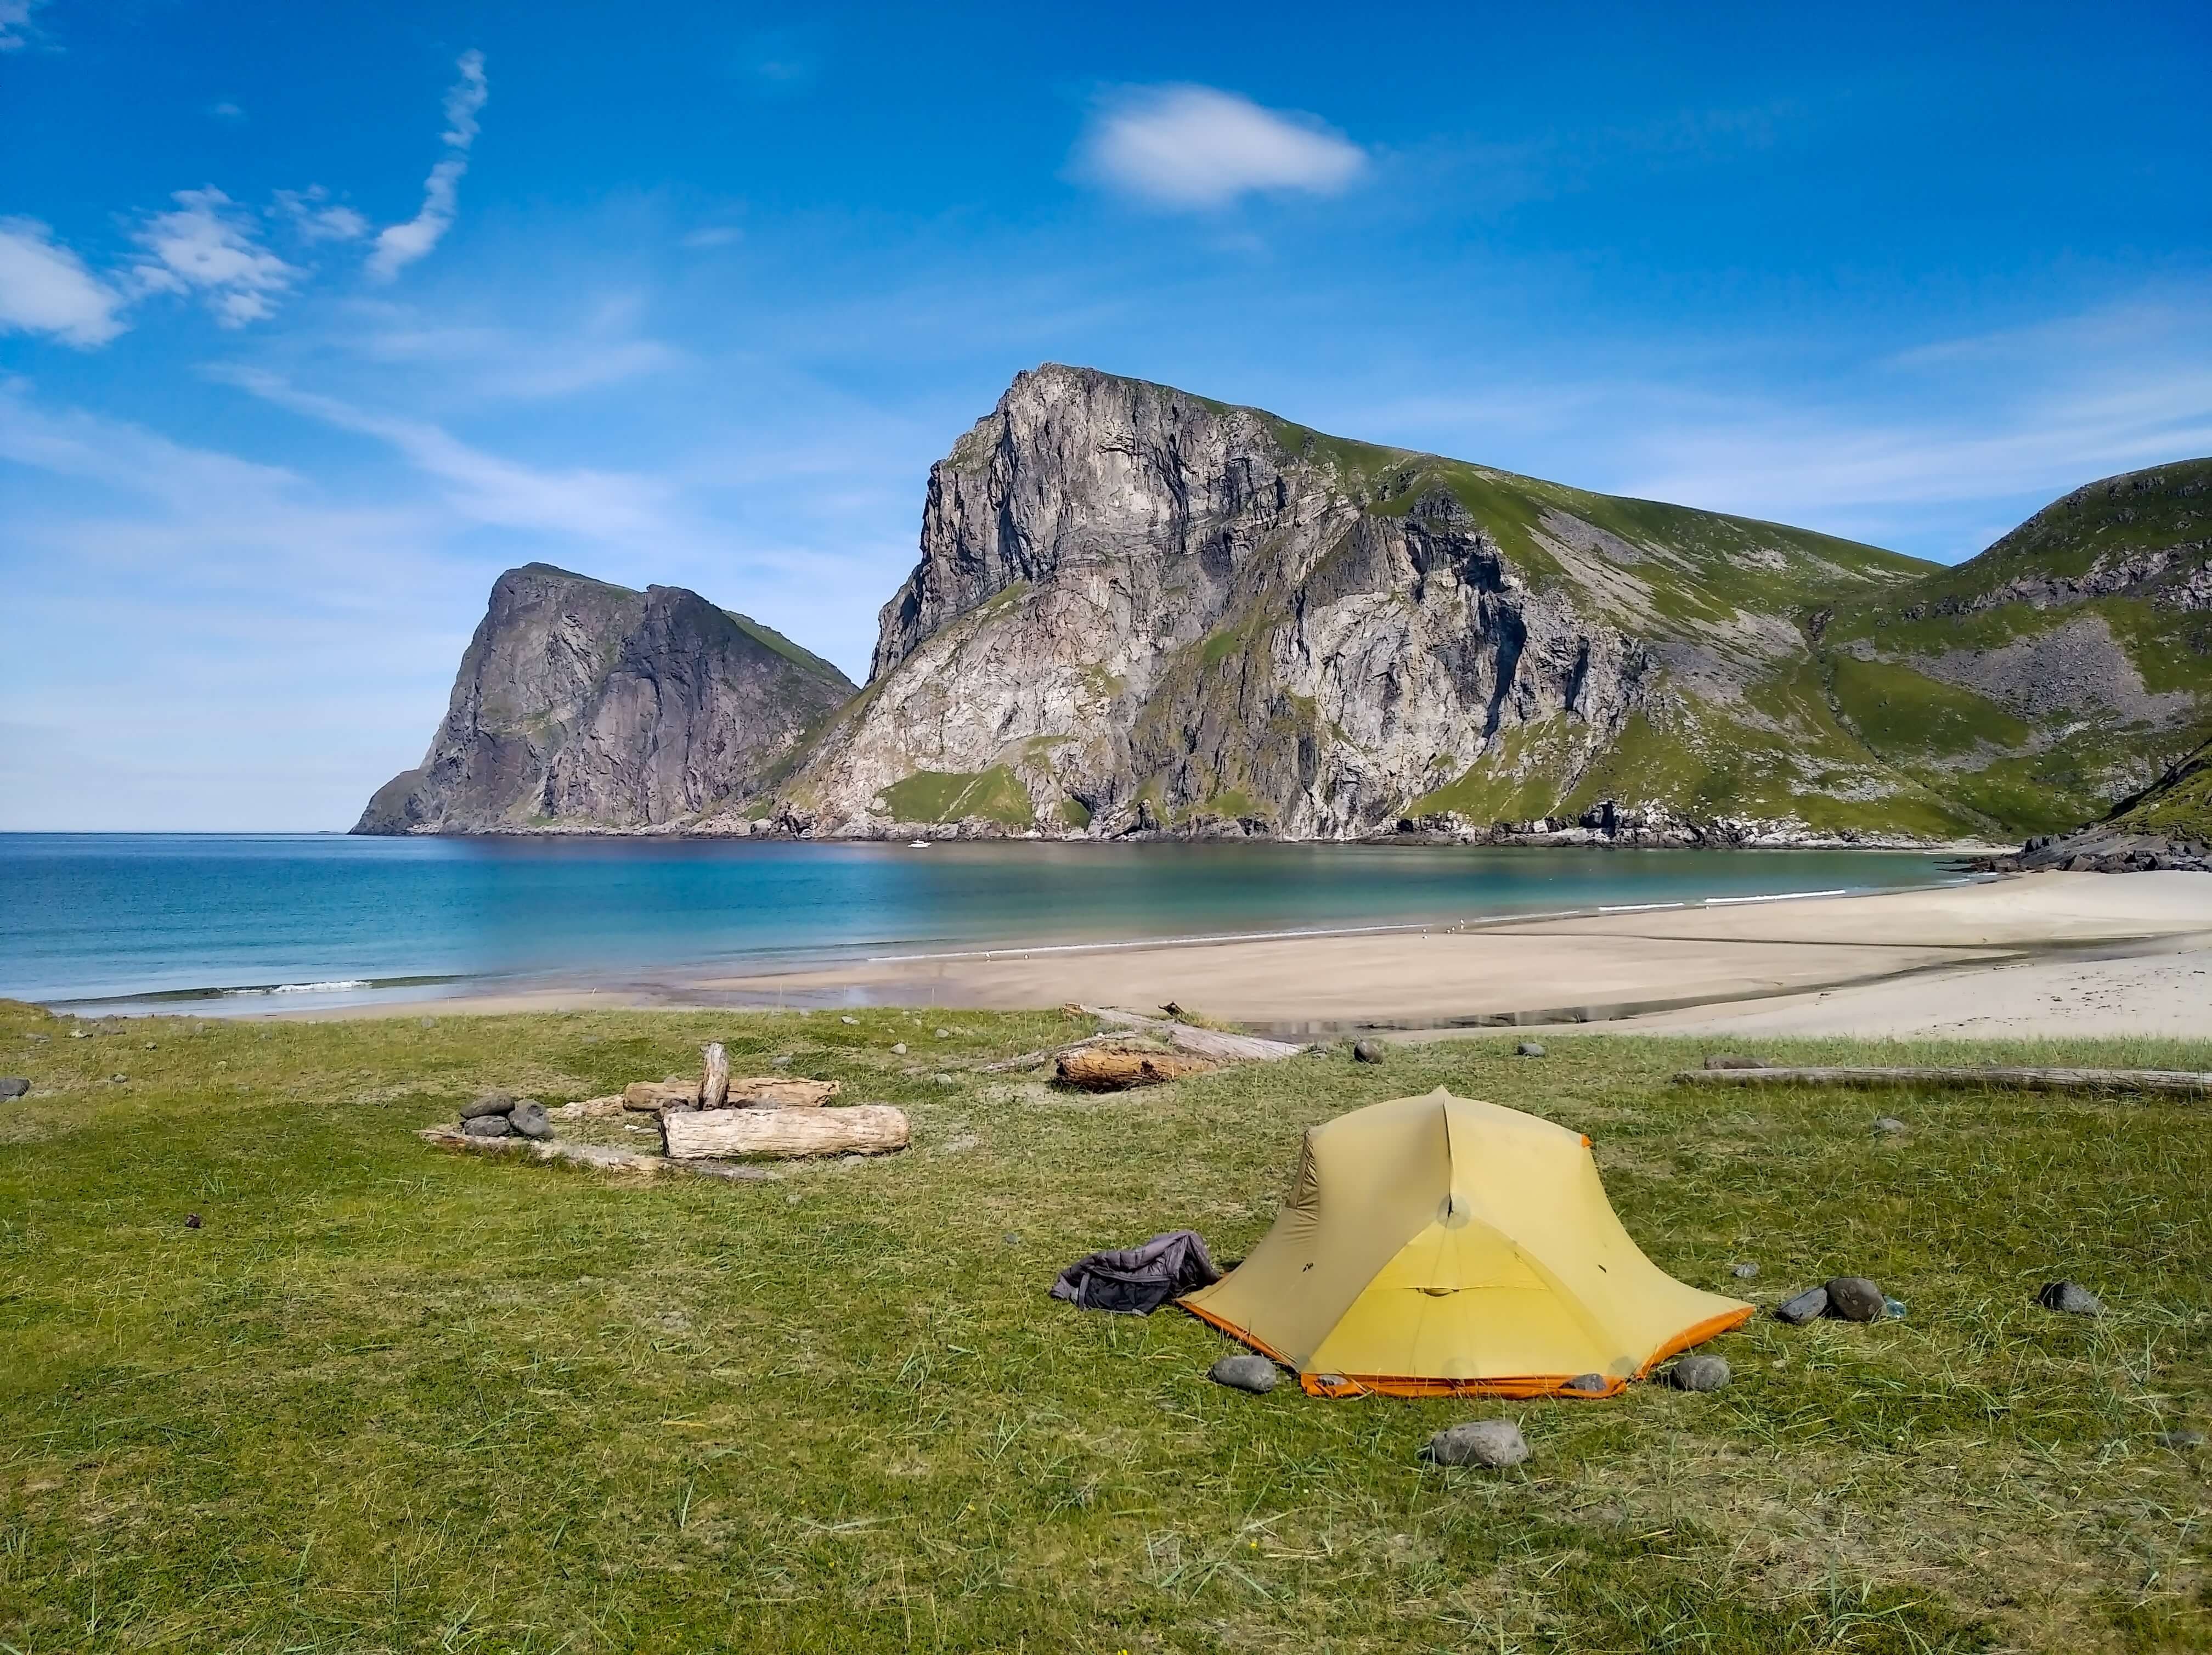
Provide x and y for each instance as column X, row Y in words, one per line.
column 324, row 918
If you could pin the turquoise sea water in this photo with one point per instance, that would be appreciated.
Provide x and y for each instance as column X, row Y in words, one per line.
column 252, row 921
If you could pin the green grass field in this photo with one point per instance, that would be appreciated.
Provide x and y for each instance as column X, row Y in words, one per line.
column 387, row 1398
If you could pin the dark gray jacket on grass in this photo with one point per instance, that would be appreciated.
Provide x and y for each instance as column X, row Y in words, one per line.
column 1138, row 1280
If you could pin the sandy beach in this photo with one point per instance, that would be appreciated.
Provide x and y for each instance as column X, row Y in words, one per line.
column 2050, row 953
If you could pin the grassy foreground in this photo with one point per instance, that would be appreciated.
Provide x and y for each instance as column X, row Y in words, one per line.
column 392, row 1399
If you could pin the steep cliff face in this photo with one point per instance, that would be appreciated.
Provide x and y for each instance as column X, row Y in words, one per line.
column 583, row 704
column 1135, row 607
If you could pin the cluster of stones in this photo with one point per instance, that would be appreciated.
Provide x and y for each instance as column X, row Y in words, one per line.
column 496, row 1115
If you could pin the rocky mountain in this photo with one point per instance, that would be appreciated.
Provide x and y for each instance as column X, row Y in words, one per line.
column 2068, row 664
column 582, row 705
column 1137, row 608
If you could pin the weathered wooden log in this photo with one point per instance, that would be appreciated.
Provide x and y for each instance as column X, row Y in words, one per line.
column 1204, row 1042
column 1037, row 1060
column 781, row 1091
column 860, row 1128
column 1117, row 1068
column 653, row 1096
column 2168, row 1082
column 587, row 1108
column 604, row 1159
column 714, row 1085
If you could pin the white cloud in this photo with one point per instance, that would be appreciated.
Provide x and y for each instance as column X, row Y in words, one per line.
column 207, row 244
column 617, row 506
column 316, row 218
column 45, row 289
column 226, row 110
column 1195, row 147
column 15, row 23
column 401, row 245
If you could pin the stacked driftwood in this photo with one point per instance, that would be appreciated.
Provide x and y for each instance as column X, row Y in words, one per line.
column 1146, row 1051
column 780, row 1115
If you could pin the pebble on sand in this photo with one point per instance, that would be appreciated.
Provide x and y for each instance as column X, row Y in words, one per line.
column 2070, row 1298
column 1492, row 1443
column 1245, row 1371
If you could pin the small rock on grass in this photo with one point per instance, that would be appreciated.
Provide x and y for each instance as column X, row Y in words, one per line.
column 1743, row 1272
column 487, row 1126
column 490, row 1103
column 853, row 1021
column 14, row 1086
column 2177, row 1440
column 1367, row 1051
column 1807, row 1307
column 1492, row 1443
column 1586, row 1384
column 1245, row 1371
column 943, row 1034
column 1890, row 1124
column 1855, row 1298
column 1700, row 1373
column 191, row 1220
column 1728, row 1059
column 2070, row 1298
column 899, row 1050
column 529, row 1120
column 1529, row 1048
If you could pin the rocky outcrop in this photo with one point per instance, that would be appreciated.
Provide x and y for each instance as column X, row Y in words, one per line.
column 583, row 705
column 1138, row 609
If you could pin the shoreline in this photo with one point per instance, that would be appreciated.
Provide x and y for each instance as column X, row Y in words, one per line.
column 2077, row 953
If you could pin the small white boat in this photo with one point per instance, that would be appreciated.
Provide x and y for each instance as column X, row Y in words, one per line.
column 919, row 844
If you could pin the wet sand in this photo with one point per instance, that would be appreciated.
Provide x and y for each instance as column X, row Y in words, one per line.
column 2049, row 953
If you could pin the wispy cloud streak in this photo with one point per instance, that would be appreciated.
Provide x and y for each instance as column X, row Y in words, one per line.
column 401, row 245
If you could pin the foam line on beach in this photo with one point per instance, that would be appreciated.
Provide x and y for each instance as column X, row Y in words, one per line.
column 1779, row 896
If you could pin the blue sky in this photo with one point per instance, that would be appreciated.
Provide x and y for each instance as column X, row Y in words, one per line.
column 314, row 318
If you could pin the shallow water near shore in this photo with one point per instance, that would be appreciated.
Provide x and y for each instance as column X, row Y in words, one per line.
column 258, row 922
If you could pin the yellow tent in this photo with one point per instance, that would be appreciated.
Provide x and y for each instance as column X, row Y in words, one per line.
column 1438, row 1246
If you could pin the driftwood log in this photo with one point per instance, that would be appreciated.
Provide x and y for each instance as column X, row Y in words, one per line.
column 1117, row 1068
column 782, row 1091
column 1216, row 1043
column 714, row 1085
column 588, row 1109
column 2170, row 1082
column 1033, row 1059
column 653, row 1096
column 596, row 1155
column 861, row 1129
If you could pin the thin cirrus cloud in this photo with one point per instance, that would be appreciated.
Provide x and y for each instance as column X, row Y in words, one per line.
column 401, row 245
column 1195, row 147
column 206, row 244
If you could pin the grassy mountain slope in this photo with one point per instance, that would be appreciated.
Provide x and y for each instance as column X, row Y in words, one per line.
column 2068, row 666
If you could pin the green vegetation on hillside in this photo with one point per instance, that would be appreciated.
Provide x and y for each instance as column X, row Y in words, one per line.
column 994, row 795
column 386, row 1398
column 2178, row 806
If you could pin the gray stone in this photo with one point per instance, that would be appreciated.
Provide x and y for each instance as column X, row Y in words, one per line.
column 1855, row 1298
column 118, row 1079
column 1807, row 1307
column 1368, row 1051
column 1728, row 1059
column 529, row 1120
column 2187, row 1437
column 589, row 702
column 490, row 1103
column 2070, row 1298
column 1586, row 1384
column 1491, row 1443
column 1702, row 1372
column 1894, row 1309
column 1743, row 1272
column 854, row 1022
column 1245, row 1371
column 14, row 1085
column 1889, row 1123
column 1529, row 1048
column 780, row 1063
column 899, row 1050
column 943, row 1034
column 191, row 1220
column 488, row 1126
